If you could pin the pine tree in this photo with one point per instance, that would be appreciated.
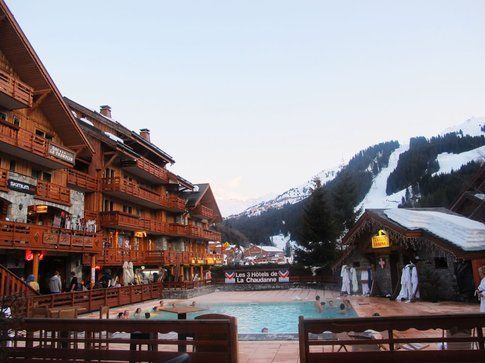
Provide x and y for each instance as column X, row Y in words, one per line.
column 344, row 202
column 318, row 231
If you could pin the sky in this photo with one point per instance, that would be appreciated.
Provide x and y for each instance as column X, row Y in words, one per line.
column 255, row 97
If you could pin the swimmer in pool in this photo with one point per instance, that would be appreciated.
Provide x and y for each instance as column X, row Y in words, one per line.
column 330, row 303
column 342, row 309
column 318, row 306
column 264, row 330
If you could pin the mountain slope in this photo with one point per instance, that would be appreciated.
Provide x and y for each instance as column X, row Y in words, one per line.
column 385, row 175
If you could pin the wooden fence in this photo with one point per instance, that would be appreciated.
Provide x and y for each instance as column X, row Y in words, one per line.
column 105, row 340
column 93, row 299
column 431, row 338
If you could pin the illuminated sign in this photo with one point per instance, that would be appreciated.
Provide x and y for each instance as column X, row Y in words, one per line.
column 380, row 240
column 40, row 209
column 140, row 234
column 21, row 186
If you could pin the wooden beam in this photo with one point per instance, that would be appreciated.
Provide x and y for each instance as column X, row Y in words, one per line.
column 38, row 101
column 110, row 160
column 41, row 92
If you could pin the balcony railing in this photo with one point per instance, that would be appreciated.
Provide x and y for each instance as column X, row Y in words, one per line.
column 122, row 220
column 116, row 257
column 53, row 192
column 34, row 148
column 19, row 93
column 204, row 212
column 212, row 235
column 30, row 236
column 81, row 180
column 147, row 170
column 131, row 191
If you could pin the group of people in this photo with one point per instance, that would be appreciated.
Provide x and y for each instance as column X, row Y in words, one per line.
column 344, row 306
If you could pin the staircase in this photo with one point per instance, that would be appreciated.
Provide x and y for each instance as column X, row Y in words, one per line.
column 11, row 285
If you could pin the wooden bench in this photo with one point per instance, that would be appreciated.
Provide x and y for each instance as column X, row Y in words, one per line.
column 426, row 335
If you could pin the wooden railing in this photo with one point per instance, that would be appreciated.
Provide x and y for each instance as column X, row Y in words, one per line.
column 212, row 235
column 119, row 219
column 430, row 338
column 93, row 299
column 116, row 256
column 3, row 180
column 152, row 169
column 53, row 192
column 11, row 285
column 16, row 89
column 100, row 340
column 81, row 180
column 203, row 211
column 132, row 188
column 18, row 235
column 16, row 136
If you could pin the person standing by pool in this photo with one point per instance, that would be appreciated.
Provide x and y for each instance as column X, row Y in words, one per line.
column 137, row 314
column 318, row 306
column 481, row 289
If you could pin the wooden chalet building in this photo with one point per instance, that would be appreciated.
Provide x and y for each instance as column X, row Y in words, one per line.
column 41, row 211
column 148, row 215
column 446, row 248
column 79, row 191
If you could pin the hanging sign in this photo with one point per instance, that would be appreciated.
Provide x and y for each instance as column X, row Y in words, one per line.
column 40, row 209
column 62, row 154
column 140, row 234
column 380, row 240
column 19, row 186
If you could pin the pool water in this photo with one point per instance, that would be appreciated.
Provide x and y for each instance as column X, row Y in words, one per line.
column 279, row 318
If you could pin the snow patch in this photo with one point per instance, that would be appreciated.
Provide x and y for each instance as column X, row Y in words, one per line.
column 377, row 197
column 85, row 120
column 280, row 241
column 472, row 126
column 451, row 162
column 113, row 137
column 462, row 232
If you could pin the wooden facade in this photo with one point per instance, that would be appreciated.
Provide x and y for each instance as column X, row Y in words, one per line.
column 84, row 190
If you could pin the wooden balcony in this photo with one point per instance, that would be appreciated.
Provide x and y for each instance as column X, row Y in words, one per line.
column 3, row 180
column 16, row 235
column 116, row 257
column 123, row 221
column 131, row 191
column 146, row 170
column 28, row 146
column 14, row 93
column 212, row 235
column 203, row 212
column 79, row 180
column 53, row 193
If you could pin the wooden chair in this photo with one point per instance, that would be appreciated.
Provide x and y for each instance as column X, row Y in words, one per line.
column 209, row 336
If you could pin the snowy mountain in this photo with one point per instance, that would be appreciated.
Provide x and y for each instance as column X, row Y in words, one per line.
column 291, row 196
column 426, row 172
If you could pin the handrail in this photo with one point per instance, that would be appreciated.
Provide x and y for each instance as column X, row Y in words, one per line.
column 53, row 192
column 12, row 285
column 95, row 298
column 355, row 346
column 82, row 180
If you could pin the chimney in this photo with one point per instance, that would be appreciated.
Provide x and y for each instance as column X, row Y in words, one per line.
column 105, row 110
column 145, row 133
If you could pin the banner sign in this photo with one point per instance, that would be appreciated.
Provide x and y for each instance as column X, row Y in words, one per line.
column 62, row 154
column 256, row 276
column 381, row 240
column 21, row 186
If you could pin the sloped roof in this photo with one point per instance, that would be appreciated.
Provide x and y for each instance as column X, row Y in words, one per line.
column 28, row 66
column 195, row 197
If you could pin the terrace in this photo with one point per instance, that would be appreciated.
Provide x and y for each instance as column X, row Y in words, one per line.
column 21, row 143
column 14, row 93
column 146, row 170
column 79, row 180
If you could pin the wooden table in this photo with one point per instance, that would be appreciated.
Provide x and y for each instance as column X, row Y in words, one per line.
column 181, row 311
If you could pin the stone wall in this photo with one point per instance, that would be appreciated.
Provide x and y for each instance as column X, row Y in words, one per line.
column 189, row 293
column 17, row 210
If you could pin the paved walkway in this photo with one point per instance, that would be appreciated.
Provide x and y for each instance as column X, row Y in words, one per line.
column 287, row 351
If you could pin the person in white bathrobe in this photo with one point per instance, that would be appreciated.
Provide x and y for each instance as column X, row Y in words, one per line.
column 405, row 284
column 414, row 292
column 355, row 281
column 481, row 289
column 364, row 278
column 345, row 275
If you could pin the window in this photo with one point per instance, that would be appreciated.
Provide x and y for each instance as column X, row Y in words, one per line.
column 3, row 116
column 41, row 175
column 16, row 121
column 13, row 165
column 107, row 205
column 109, row 173
column 127, row 209
column 440, row 263
column 43, row 134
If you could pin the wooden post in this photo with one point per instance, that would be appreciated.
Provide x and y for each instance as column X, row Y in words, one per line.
column 35, row 266
column 93, row 270
column 191, row 272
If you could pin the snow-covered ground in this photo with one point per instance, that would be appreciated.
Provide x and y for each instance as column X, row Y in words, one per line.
column 377, row 197
column 471, row 127
column 452, row 162
column 280, row 241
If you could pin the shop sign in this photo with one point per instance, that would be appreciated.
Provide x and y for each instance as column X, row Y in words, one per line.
column 380, row 240
column 22, row 187
column 256, row 276
column 61, row 154
column 39, row 209
column 140, row 234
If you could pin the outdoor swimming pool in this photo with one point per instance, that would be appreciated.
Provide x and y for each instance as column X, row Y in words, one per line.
column 279, row 318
